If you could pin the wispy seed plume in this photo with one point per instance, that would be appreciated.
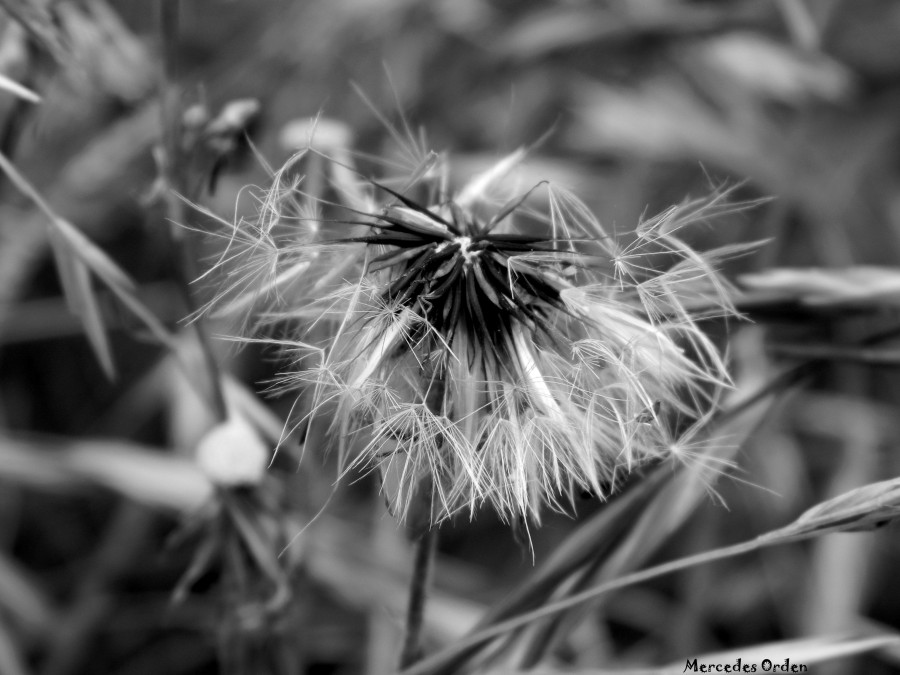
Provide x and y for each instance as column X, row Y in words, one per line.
column 500, row 351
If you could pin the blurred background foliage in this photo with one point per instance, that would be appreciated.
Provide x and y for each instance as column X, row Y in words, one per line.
column 647, row 102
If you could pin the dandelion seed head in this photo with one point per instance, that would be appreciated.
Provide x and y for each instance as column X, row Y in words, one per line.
column 505, row 351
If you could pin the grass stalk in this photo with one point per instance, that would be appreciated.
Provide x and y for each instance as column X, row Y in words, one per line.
column 174, row 182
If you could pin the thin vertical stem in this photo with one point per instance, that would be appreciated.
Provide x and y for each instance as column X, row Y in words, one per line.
column 426, row 548
column 174, row 180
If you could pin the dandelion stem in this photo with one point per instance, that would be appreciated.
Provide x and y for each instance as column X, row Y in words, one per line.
column 426, row 547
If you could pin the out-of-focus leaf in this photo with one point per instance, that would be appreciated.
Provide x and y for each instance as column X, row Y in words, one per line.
column 34, row 16
column 162, row 481
column 105, row 50
column 20, row 462
column 143, row 474
column 552, row 30
column 567, row 27
column 658, row 117
column 775, row 70
column 861, row 286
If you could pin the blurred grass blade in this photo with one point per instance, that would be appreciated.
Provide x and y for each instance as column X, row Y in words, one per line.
column 438, row 663
column 35, row 17
column 92, row 256
column 635, row 522
column 860, row 509
column 592, row 540
column 11, row 661
column 806, row 651
column 773, row 70
column 83, row 247
column 140, row 473
column 574, row 561
column 263, row 552
column 161, row 481
column 13, row 87
column 20, row 463
column 860, row 286
column 653, row 524
column 825, row 352
column 22, row 600
column 98, row 262
column 651, row 527
column 75, row 278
